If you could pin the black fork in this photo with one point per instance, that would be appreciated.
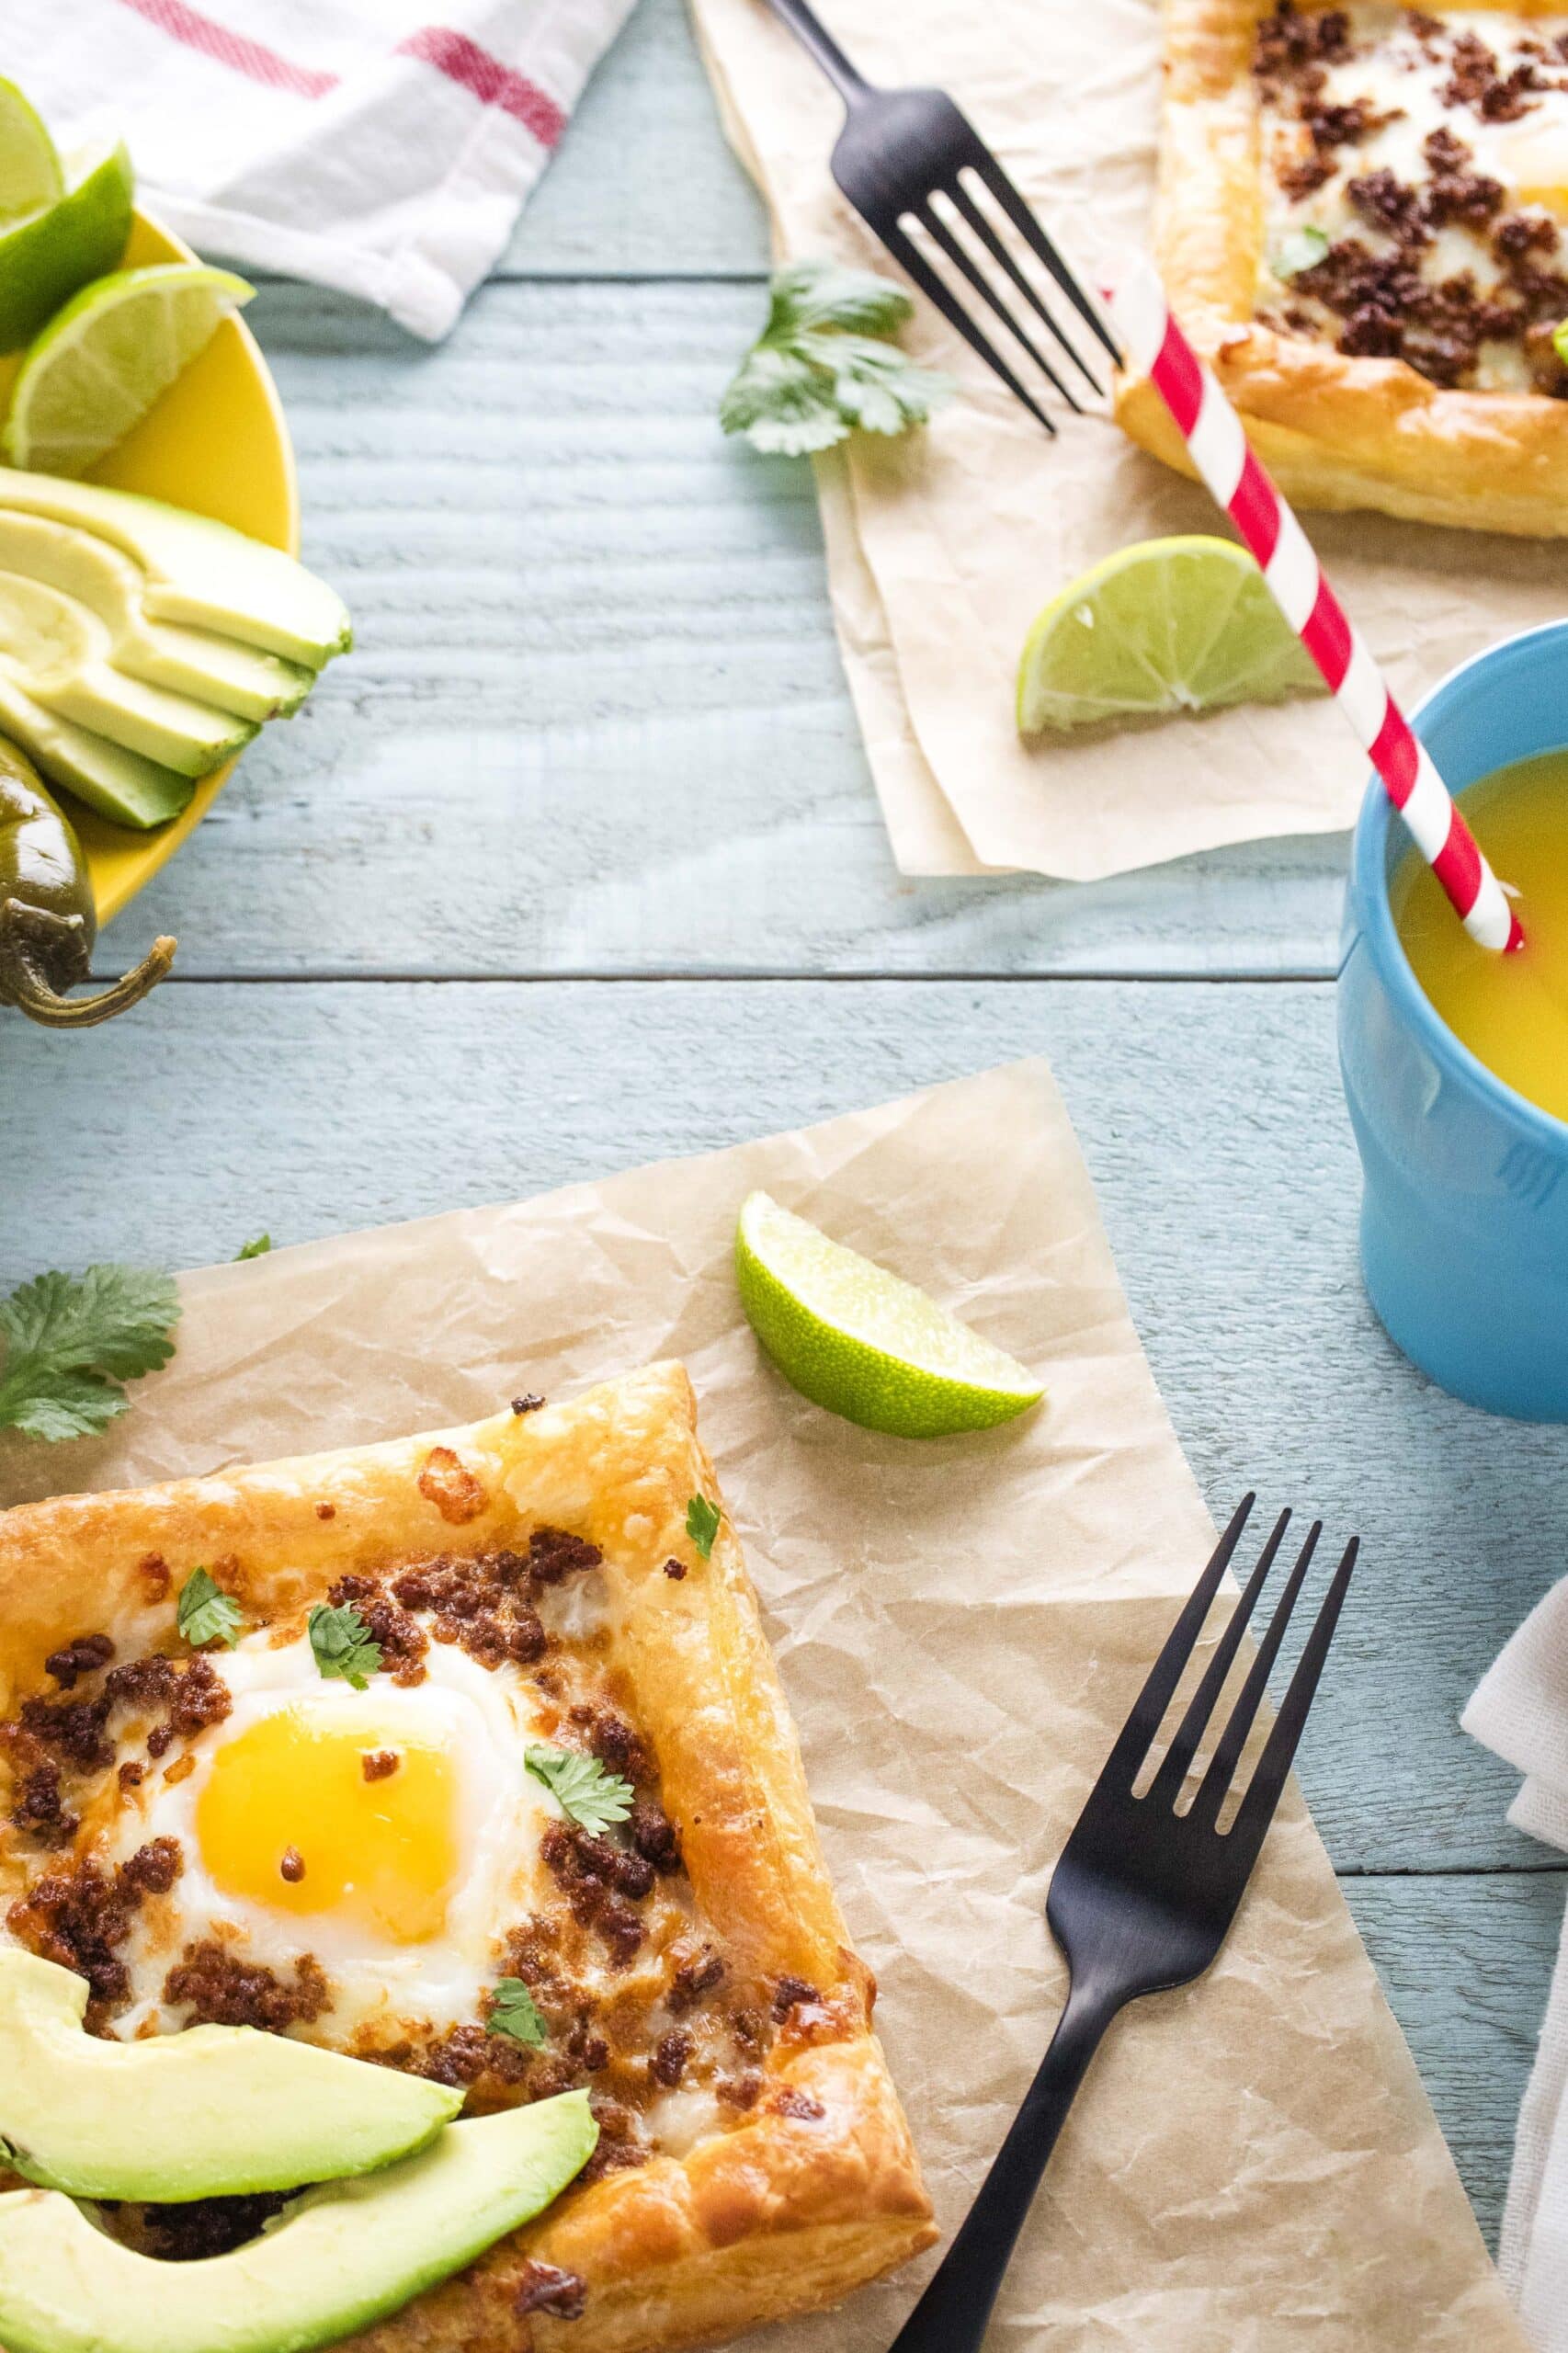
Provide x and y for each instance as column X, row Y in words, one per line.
column 898, row 150
column 1142, row 1898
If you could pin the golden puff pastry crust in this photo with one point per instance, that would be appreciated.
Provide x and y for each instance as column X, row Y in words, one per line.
column 816, row 2189
column 1335, row 431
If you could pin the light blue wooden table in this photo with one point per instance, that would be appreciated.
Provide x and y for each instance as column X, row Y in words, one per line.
column 577, row 862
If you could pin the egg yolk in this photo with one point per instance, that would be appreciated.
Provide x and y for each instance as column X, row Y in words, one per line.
column 289, row 1818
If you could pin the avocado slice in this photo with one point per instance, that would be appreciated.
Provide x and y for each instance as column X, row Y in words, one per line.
column 56, row 651
column 120, row 784
column 329, row 2264
column 198, row 572
column 217, row 670
column 209, row 2113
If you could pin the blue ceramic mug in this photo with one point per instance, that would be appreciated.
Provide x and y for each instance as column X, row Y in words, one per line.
column 1464, row 1212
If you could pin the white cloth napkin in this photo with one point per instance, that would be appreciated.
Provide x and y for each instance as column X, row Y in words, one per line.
column 356, row 142
column 1521, row 1711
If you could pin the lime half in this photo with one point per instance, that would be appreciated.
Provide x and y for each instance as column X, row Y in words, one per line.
column 1169, row 626
column 864, row 1343
column 30, row 177
column 97, row 370
column 45, row 258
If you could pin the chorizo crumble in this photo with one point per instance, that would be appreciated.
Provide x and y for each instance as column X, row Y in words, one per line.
column 1393, row 232
column 545, row 2288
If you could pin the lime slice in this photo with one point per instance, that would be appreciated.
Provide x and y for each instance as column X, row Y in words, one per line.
column 30, row 177
column 97, row 370
column 864, row 1343
column 45, row 258
column 1168, row 626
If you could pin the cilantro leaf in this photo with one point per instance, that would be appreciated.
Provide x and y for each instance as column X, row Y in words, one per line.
column 817, row 372
column 825, row 294
column 514, row 2011
column 1302, row 249
column 702, row 1520
column 256, row 1248
column 586, row 1793
column 70, row 1341
column 1559, row 340
column 207, row 1614
column 342, row 1646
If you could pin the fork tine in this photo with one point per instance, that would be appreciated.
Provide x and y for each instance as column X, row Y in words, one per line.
column 937, row 229
column 1274, row 1764
column 936, row 287
column 1167, row 1784
column 1149, row 1707
column 1023, row 220
column 1233, row 1739
column 959, row 197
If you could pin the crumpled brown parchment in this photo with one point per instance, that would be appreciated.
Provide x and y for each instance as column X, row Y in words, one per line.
column 1253, row 2166
column 944, row 546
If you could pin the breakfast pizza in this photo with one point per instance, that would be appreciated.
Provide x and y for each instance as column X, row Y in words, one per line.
column 1360, row 225
column 457, row 1767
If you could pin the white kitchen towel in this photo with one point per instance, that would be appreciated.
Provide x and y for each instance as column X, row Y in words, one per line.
column 1521, row 1711
column 373, row 146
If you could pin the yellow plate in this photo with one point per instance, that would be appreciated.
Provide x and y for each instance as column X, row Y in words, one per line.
column 215, row 442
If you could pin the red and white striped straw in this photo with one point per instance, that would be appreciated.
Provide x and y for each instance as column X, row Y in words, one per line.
column 1212, row 431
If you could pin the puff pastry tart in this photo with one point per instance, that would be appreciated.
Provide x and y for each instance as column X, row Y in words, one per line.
column 1360, row 223
column 523, row 1811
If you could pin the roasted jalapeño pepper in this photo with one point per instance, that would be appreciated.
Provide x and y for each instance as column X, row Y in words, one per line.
column 48, row 921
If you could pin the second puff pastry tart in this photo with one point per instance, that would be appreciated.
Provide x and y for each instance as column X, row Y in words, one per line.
column 1360, row 223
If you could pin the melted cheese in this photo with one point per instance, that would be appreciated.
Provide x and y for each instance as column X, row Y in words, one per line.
column 675, row 2122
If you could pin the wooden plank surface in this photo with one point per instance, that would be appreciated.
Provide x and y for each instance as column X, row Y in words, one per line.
column 594, row 719
column 643, row 185
column 1465, row 1963
column 308, row 1108
column 1231, row 1205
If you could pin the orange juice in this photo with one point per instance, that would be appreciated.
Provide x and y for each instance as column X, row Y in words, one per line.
column 1511, row 1011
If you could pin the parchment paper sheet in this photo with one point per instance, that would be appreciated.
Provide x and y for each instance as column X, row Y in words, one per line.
column 944, row 546
column 1253, row 2166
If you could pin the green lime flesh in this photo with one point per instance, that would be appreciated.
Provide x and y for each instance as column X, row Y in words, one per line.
column 863, row 1342
column 30, row 177
column 1165, row 627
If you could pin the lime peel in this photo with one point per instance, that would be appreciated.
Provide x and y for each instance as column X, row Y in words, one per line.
column 100, row 364
column 46, row 255
column 861, row 1341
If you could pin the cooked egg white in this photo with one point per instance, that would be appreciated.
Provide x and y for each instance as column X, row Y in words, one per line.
column 402, row 1884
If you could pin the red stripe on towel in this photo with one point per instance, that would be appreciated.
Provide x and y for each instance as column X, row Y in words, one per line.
column 493, row 85
column 251, row 58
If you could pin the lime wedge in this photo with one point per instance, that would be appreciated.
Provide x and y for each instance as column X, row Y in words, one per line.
column 97, row 370
column 30, row 177
column 1171, row 625
column 46, row 257
column 864, row 1343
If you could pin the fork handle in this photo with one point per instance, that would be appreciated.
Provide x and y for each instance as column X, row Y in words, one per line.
column 951, row 2316
column 813, row 36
